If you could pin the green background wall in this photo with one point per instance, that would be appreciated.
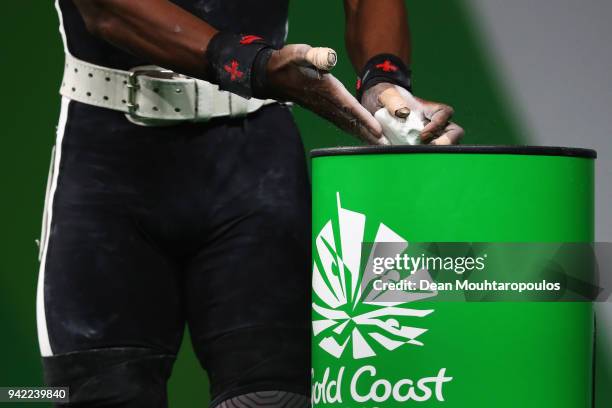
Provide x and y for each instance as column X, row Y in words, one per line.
column 449, row 65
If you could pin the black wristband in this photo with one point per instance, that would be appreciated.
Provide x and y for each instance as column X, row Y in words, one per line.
column 259, row 76
column 383, row 68
column 231, row 59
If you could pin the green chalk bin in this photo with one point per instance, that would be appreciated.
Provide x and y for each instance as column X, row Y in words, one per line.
column 447, row 354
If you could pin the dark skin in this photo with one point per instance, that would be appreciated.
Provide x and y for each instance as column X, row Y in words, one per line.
column 363, row 35
column 168, row 36
column 156, row 30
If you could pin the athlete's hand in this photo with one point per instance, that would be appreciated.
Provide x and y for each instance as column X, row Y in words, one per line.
column 297, row 75
column 438, row 130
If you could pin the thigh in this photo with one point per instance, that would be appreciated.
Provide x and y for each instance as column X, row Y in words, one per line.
column 248, row 288
column 102, row 282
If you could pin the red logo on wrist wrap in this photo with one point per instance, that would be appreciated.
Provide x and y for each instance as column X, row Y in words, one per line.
column 232, row 69
column 387, row 66
column 248, row 39
column 358, row 83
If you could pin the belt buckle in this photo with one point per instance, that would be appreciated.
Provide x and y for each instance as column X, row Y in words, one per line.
column 133, row 86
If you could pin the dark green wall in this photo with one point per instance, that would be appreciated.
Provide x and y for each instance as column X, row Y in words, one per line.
column 449, row 66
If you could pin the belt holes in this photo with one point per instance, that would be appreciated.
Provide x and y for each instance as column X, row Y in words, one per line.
column 73, row 89
column 156, row 90
column 155, row 108
column 76, row 70
column 88, row 93
column 90, row 75
column 107, row 79
column 177, row 110
column 105, row 98
column 124, row 82
column 123, row 101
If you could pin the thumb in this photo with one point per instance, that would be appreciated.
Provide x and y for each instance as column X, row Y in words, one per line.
column 322, row 58
column 394, row 102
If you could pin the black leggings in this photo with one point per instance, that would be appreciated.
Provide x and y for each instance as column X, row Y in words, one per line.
column 149, row 229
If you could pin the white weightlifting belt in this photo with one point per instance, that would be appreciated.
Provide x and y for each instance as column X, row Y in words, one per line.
column 151, row 95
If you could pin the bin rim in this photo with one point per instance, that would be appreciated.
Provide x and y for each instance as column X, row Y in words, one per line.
column 462, row 149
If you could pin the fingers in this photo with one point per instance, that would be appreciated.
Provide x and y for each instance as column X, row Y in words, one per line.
column 347, row 113
column 451, row 135
column 322, row 58
column 438, row 122
column 300, row 75
column 394, row 102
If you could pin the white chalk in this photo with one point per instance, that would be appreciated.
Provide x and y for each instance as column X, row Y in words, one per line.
column 401, row 131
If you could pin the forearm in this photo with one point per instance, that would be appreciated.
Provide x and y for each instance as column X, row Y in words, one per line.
column 376, row 27
column 168, row 36
column 157, row 30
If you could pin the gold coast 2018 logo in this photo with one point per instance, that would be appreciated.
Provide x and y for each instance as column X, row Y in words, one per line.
column 352, row 321
column 350, row 311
